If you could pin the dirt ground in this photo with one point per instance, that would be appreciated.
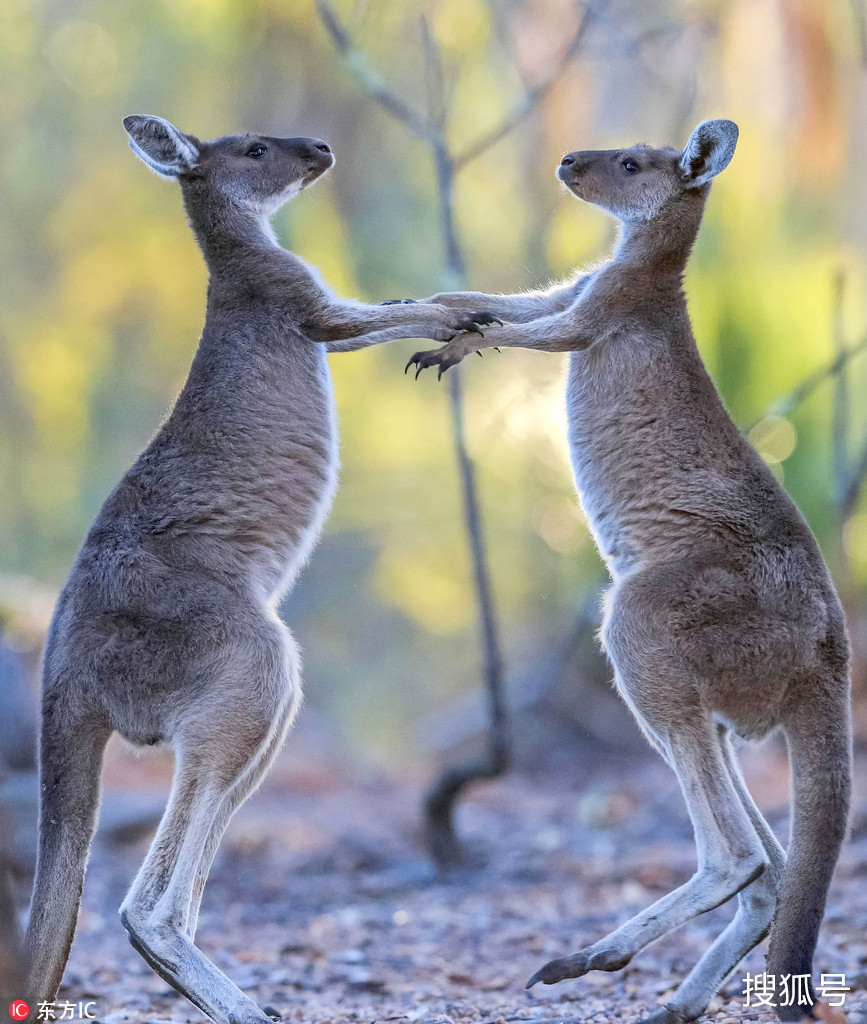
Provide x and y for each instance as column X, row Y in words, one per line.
column 322, row 905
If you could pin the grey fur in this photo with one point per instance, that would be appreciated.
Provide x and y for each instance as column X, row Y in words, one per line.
column 722, row 615
column 708, row 151
column 166, row 630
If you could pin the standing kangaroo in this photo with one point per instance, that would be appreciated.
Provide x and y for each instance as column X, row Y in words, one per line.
column 722, row 616
column 166, row 629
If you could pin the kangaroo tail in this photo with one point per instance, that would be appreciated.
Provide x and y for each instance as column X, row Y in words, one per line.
column 70, row 759
column 820, row 750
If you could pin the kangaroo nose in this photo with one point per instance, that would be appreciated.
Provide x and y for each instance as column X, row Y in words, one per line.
column 568, row 160
column 323, row 147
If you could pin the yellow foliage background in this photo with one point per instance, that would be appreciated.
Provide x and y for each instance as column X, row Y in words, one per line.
column 103, row 288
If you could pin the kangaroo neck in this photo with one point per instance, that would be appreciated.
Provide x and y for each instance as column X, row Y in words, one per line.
column 233, row 241
column 662, row 245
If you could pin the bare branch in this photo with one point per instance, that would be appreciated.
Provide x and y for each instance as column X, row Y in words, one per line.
column 840, row 406
column 848, row 479
column 439, row 806
column 533, row 95
column 850, row 496
column 437, row 107
column 368, row 77
column 443, row 795
column 788, row 403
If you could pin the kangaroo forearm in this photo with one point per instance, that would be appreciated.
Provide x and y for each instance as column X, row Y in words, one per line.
column 339, row 322
column 547, row 334
column 563, row 332
column 518, row 309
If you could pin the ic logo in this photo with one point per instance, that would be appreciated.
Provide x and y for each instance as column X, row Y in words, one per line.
column 19, row 1010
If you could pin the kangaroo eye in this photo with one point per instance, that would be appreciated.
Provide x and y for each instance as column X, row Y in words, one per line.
column 256, row 151
column 630, row 165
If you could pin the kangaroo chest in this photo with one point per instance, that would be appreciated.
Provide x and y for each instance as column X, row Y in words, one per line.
column 242, row 476
column 633, row 451
column 295, row 455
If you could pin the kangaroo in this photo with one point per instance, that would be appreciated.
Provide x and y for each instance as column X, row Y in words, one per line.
column 722, row 617
column 166, row 630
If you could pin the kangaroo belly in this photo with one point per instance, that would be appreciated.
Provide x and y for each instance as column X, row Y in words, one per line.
column 619, row 461
column 659, row 467
column 283, row 495
column 240, row 480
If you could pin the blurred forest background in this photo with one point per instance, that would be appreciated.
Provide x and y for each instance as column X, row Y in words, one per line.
column 102, row 294
column 101, row 302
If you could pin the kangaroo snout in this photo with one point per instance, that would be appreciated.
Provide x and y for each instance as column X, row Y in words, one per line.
column 320, row 148
column 574, row 163
column 571, row 166
column 316, row 151
column 314, row 156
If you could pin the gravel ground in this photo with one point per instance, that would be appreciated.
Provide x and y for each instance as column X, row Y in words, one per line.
column 322, row 905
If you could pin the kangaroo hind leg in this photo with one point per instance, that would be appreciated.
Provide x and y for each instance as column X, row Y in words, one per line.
column 247, row 782
column 751, row 923
column 730, row 853
column 222, row 752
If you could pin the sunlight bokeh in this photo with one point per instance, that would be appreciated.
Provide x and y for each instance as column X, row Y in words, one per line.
column 103, row 288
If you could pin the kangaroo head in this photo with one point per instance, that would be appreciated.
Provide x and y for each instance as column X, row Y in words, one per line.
column 638, row 183
column 254, row 173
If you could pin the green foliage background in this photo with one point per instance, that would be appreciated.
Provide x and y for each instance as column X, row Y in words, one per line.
column 103, row 288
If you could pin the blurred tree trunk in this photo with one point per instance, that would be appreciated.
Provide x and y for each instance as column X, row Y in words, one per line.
column 442, row 796
column 440, row 801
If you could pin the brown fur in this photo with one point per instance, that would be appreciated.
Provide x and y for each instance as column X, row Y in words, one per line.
column 722, row 615
column 166, row 630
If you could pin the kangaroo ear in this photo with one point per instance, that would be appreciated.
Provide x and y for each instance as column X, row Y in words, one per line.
column 164, row 148
column 709, row 151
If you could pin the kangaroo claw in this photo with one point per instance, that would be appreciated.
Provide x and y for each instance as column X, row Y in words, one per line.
column 416, row 361
column 473, row 321
column 560, row 969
